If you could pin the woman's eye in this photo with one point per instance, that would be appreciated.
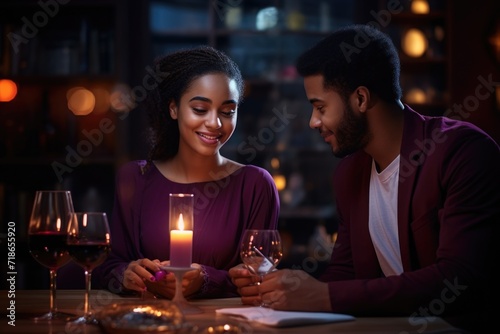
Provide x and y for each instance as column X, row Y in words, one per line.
column 199, row 111
column 228, row 113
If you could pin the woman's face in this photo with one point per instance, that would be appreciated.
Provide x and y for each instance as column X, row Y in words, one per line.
column 207, row 114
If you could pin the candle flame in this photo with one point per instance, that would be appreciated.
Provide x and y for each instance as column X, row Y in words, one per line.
column 58, row 224
column 180, row 223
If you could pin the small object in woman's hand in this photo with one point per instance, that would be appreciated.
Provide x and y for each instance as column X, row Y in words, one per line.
column 160, row 274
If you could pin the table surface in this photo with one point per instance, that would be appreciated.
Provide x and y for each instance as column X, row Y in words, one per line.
column 29, row 303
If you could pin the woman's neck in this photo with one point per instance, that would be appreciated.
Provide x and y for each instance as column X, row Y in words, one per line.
column 190, row 169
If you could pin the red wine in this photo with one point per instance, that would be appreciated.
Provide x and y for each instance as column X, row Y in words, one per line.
column 90, row 255
column 49, row 248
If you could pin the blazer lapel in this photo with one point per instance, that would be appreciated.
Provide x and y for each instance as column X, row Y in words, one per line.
column 409, row 168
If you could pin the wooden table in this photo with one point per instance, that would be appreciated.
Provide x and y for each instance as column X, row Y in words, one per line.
column 29, row 303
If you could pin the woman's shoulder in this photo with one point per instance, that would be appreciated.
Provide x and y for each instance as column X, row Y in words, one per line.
column 252, row 170
column 134, row 169
column 251, row 174
column 134, row 166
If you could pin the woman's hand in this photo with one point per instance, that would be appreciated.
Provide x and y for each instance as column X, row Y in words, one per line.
column 192, row 281
column 138, row 273
column 246, row 283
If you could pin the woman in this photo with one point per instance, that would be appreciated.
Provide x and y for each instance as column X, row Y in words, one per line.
column 193, row 113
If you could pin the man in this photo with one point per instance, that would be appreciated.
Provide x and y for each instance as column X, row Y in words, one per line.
column 418, row 198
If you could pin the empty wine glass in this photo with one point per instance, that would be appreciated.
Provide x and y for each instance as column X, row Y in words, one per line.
column 89, row 243
column 261, row 251
column 47, row 233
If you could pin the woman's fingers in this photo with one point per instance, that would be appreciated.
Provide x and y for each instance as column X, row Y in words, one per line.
column 137, row 272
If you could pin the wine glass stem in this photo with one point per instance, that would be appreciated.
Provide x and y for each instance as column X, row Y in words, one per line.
column 178, row 287
column 53, row 276
column 88, row 275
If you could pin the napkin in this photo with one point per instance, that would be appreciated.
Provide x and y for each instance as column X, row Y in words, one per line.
column 270, row 317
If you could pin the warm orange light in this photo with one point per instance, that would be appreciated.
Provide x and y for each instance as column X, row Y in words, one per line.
column 280, row 182
column 102, row 100
column 416, row 95
column 8, row 90
column 414, row 43
column 420, row 7
column 81, row 101
column 275, row 163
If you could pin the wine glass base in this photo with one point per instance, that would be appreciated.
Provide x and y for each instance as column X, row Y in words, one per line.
column 53, row 316
column 187, row 307
column 179, row 300
column 83, row 320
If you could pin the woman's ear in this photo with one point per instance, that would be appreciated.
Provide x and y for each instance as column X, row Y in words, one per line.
column 363, row 98
column 172, row 109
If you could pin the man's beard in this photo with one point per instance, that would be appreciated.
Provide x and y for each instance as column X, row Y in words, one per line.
column 352, row 133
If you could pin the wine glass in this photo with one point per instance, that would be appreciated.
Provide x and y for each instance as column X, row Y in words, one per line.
column 89, row 243
column 47, row 232
column 261, row 251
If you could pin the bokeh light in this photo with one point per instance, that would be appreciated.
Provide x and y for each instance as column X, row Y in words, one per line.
column 280, row 182
column 102, row 100
column 81, row 101
column 8, row 90
column 416, row 95
column 414, row 43
column 267, row 18
column 275, row 163
column 122, row 99
column 420, row 7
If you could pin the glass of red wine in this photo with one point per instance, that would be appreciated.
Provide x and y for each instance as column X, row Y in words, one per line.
column 89, row 243
column 47, row 234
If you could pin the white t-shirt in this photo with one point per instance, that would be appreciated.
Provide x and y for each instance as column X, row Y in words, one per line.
column 383, row 217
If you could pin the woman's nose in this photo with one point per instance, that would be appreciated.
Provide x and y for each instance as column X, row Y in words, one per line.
column 213, row 120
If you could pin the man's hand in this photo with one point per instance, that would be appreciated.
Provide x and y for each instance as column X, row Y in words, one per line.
column 294, row 290
column 246, row 283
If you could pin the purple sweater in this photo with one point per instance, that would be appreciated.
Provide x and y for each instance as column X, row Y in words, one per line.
column 246, row 199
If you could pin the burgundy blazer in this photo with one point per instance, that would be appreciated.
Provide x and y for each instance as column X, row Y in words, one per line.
column 448, row 221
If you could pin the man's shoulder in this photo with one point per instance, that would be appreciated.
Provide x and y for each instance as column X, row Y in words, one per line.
column 442, row 132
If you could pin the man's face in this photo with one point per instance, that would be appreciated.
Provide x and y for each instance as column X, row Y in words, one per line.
column 337, row 120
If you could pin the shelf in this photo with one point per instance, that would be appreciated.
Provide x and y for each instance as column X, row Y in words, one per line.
column 412, row 18
column 50, row 80
column 272, row 32
column 425, row 79
column 77, row 38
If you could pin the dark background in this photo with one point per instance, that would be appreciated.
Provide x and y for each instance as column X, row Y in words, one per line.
column 49, row 47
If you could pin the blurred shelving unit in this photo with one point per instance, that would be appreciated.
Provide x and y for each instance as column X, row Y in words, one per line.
column 56, row 52
column 421, row 31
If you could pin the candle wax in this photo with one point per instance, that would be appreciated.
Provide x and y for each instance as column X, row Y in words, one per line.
column 181, row 248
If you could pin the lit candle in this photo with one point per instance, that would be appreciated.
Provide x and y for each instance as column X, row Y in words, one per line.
column 181, row 245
